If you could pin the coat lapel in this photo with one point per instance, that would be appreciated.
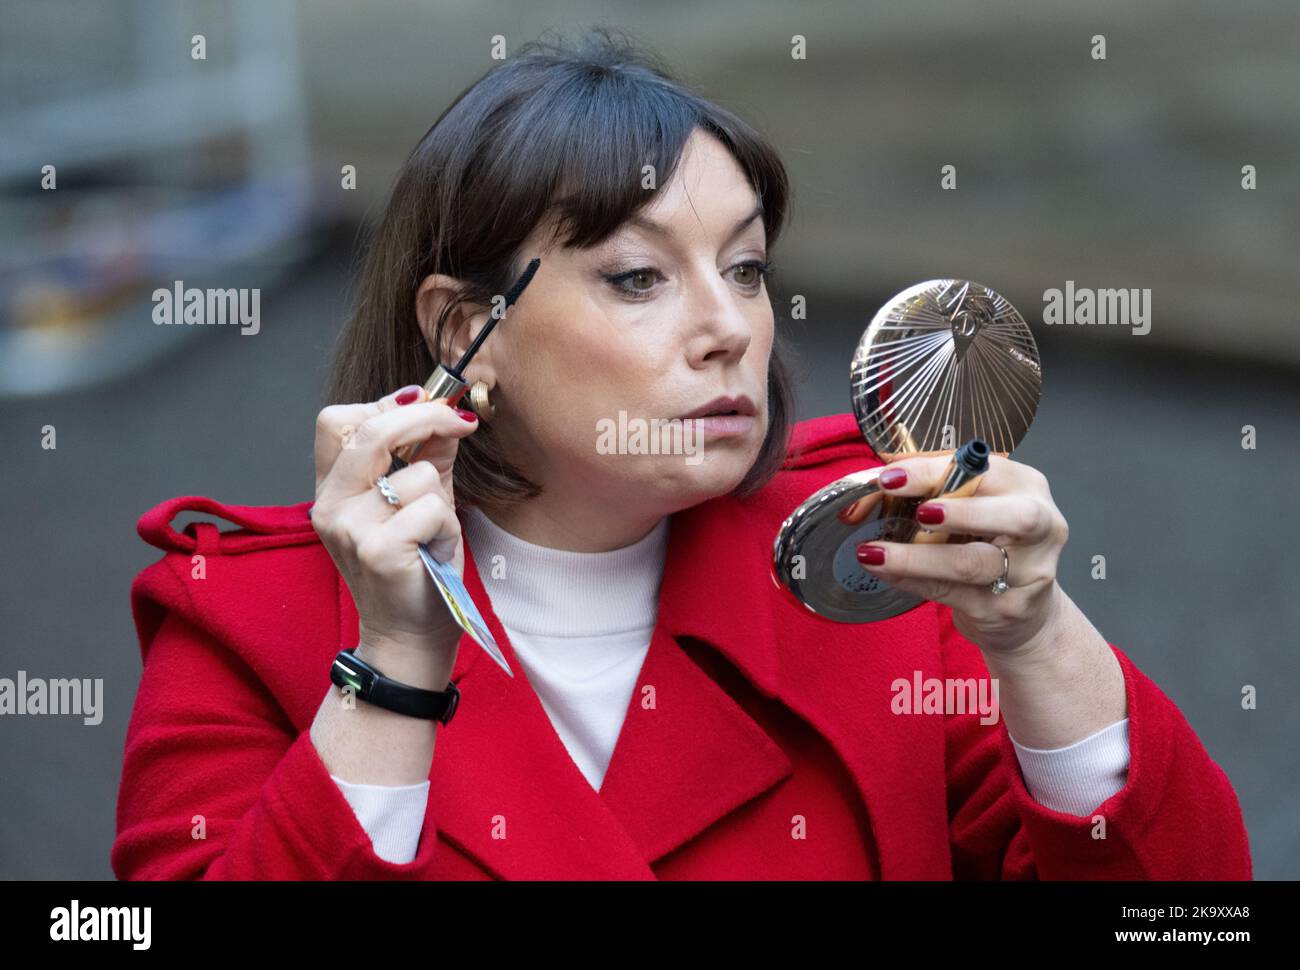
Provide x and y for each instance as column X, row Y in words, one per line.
column 838, row 677
column 688, row 754
column 504, row 788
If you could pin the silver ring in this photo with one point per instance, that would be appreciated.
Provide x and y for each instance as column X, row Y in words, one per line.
column 390, row 493
column 999, row 585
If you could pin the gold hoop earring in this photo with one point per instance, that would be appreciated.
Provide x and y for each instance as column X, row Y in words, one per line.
column 478, row 397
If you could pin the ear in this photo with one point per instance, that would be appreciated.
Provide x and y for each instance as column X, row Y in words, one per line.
column 462, row 325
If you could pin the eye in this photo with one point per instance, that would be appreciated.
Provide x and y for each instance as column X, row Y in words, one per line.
column 642, row 280
column 754, row 273
column 638, row 284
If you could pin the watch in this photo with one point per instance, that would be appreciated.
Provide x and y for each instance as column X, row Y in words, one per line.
column 349, row 670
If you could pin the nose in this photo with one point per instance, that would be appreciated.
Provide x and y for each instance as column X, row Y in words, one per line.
column 719, row 329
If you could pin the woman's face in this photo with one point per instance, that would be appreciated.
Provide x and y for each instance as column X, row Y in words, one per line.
column 639, row 331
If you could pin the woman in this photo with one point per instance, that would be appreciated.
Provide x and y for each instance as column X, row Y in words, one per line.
column 670, row 715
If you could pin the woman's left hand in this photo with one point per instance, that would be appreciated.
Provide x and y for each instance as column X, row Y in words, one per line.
column 1013, row 508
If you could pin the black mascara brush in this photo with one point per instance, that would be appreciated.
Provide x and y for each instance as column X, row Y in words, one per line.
column 448, row 383
column 512, row 295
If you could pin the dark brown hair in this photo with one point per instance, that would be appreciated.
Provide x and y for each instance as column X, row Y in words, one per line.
column 556, row 130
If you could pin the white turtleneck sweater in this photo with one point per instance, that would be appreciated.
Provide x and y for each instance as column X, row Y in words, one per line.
column 580, row 625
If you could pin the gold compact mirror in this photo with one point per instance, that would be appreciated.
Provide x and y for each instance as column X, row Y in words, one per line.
column 943, row 362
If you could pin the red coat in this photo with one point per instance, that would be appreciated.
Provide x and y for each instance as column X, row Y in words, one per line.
column 771, row 751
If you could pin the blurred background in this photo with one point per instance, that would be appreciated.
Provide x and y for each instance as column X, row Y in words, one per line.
column 127, row 163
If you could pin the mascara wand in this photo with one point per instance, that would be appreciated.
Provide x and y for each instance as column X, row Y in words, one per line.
column 448, row 383
column 512, row 295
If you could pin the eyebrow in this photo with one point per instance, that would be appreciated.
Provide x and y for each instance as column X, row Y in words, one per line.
column 660, row 229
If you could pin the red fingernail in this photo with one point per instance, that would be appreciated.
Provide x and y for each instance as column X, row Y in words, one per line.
column 929, row 514
column 408, row 394
column 846, row 513
column 467, row 415
column 871, row 555
column 893, row 478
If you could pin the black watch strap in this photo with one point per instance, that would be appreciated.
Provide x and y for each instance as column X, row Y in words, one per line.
column 370, row 685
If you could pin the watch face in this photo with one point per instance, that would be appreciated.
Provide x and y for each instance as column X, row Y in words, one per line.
column 347, row 673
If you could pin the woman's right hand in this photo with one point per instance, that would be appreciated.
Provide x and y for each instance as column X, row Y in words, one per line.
column 373, row 544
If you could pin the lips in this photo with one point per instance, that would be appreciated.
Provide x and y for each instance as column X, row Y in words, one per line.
column 724, row 405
